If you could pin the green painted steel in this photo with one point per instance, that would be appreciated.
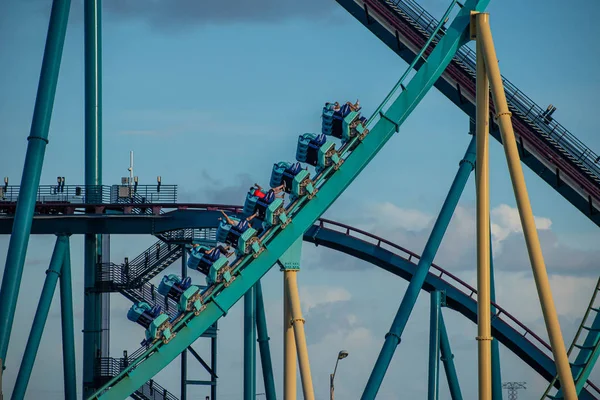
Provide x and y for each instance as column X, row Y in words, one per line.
column 433, row 379
column 39, row 321
column 277, row 243
column 496, row 372
column 250, row 345
column 183, row 377
column 30, row 180
column 92, row 301
column 263, row 343
column 448, row 360
column 68, row 334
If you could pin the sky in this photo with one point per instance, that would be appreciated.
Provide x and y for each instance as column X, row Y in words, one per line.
column 208, row 97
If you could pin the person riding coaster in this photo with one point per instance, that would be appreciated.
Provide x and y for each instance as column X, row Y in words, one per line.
column 297, row 180
column 156, row 323
column 344, row 122
column 239, row 234
column 213, row 262
column 267, row 208
column 317, row 151
column 187, row 296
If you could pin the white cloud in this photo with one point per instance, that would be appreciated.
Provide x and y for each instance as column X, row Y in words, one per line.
column 312, row 296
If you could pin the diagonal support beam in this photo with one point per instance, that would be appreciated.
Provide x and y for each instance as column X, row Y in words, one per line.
column 448, row 360
column 393, row 337
column 503, row 118
column 202, row 362
column 68, row 333
column 34, row 158
column 263, row 343
column 41, row 315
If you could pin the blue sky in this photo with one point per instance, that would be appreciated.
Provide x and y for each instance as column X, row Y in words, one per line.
column 209, row 101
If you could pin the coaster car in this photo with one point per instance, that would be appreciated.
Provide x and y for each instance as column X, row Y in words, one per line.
column 297, row 180
column 212, row 263
column 267, row 207
column 344, row 123
column 155, row 322
column 241, row 236
column 317, row 151
column 187, row 296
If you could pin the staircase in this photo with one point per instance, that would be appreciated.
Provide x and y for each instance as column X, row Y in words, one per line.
column 586, row 346
column 135, row 273
column 107, row 368
column 553, row 134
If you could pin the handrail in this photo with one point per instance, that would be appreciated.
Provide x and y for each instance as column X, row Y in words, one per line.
column 499, row 310
column 110, row 367
column 442, row 272
column 81, row 194
column 467, row 54
column 554, row 137
column 418, row 57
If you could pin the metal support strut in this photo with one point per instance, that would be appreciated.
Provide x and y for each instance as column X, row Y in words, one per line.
column 68, row 333
column 263, row 343
column 41, row 315
column 448, row 360
column 433, row 388
column 392, row 339
column 484, row 324
column 34, row 158
column 289, row 355
column 503, row 118
column 92, row 301
column 298, row 325
column 250, row 345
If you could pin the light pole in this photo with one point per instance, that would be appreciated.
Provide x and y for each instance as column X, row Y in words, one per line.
column 342, row 354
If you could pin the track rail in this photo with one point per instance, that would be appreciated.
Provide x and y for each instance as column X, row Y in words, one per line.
column 548, row 148
column 448, row 278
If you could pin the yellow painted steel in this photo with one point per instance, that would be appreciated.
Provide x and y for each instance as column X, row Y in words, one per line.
column 289, row 344
column 503, row 118
column 298, row 323
column 482, row 178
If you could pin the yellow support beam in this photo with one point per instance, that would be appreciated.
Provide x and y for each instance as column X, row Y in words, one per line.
column 298, row 323
column 482, row 178
column 289, row 344
column 503, row 118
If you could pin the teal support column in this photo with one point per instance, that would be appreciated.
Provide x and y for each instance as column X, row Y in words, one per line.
column 213, row 363
column 448, row 360
column 263, row 343
column 68, row 335
column 92, row 303
column 433, row 388
column 39, row 321
column 250, row 345
column 30, row 180
column 496, row 375
column 392, row 339
column 183, row 382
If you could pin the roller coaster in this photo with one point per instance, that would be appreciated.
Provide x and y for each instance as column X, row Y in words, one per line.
column 227, row 249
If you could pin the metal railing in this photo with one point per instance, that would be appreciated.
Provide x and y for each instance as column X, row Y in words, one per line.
column 134, row 273
column 188, row 235
column 61, row 194
column 81, row 194
column 108, row 367
column 553, row 133
column 448, row 278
